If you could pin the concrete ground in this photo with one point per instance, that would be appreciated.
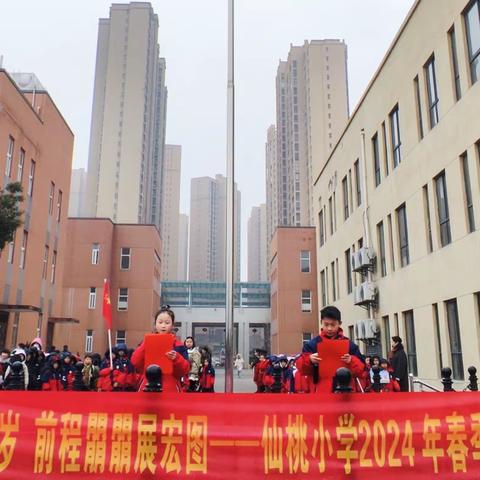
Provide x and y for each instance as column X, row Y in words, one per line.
column 244, row 384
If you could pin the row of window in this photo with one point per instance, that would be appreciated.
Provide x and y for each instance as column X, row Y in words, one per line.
column 125, row 256
column 122, row 303
column 121, row 337
column 385, row 232
column 454, row 342
column 31, row 177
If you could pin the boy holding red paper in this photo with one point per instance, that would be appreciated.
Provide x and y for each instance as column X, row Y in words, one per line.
column 164, row 349
column 324, row 354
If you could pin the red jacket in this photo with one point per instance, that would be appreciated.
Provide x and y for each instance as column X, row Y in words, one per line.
column 207, row 379
column 305, row 366
column 170, row 383
column 259, row 372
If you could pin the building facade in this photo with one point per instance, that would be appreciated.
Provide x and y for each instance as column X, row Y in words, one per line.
column 125, row 173
column 257, row 245
column 293, row 280
column 129, row 257
column 272, row 180
column 78, row 187
column 207, row 229
column 412, row 194
column 36, row 146
column 171, row 210
column 312, row 108
column 182, row 273
column 200, row 312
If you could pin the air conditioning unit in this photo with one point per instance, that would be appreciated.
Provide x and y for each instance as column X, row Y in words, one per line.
column 371, row 328
column 356, row 261
column 359, row 329
column 357, row 295
column 369, row 292
column 367, row 257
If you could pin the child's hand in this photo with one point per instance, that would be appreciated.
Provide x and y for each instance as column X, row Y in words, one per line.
column 172, row 354
column 315, row 359
column 347, row 358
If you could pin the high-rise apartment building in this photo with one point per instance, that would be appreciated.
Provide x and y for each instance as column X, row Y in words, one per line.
column 312, row 110
column 171, row 207
column 207, row 229
column 182, row 272
column 128, row 118
column 272, row 183
column 78, row 184
column 257, row 245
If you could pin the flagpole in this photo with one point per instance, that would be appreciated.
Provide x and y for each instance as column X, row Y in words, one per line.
column 230, row 207
column 110, row 348
column 107, row 315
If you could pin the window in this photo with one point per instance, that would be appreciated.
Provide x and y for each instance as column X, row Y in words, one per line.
column 396, row 142
column 31, row 178
column 23, row 253
column 416, row 85
column 357, row 183
column 122, row 299
column 472, row 23
column 59, row 205
column 89, row 341
column 92, row 298
column 306, row 337
column 376, row 160
column 334, row 283
column 468, row 193
column 306, row 301
column 426, row 203
column 385, row 149
column 121, row 337
column 390, row 234
column 455, row 341
column 45, row 262
column 335, row 211
column 51, row 196
column 321, row 223
column 438, row 338
column 8, row 164
column 386, row 334
column 442, row 206
column 331, row 214
column 54, row 266
column 324, row 288
column 403, row 235
column 411, row 344
column 11, row 249
column 305, row 261
column 432, row 91
column 95, row 253
column 381, row 249
column 125, row 258
column 21, row 162
column 345, row 197
column 348, row 269
column 455, row 69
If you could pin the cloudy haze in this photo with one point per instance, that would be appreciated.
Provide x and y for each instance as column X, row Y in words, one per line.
column 57, row 39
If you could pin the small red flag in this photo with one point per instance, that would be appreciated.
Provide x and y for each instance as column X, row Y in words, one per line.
column 107, row 305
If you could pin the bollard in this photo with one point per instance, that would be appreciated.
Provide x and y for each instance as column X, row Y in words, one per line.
column 342, row 380
column 447, row 379
column 411, row 384
column 78, row 385
column 377, row 387
column 16, row 379
column 154, row 379
column 473, row 385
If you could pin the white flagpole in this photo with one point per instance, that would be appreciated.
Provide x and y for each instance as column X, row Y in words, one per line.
column 110, row 348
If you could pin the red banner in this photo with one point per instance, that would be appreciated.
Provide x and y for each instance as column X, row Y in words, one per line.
column 140, row 435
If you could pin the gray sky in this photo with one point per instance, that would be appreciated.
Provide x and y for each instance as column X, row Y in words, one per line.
column 57, row 39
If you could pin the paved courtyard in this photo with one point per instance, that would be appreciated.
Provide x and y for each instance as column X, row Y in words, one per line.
column 240, row 385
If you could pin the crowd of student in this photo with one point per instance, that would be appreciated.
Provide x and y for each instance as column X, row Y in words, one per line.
column 192, row 369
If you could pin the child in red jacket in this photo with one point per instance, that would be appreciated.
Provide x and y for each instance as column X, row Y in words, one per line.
column 207, row 377
column 164, row 323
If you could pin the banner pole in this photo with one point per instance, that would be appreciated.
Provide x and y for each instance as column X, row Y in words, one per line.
column 110, row 348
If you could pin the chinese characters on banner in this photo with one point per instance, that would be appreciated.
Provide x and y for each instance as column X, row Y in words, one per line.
column 92, row 435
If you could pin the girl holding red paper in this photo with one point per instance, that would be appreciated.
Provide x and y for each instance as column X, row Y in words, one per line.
column 176, row 354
